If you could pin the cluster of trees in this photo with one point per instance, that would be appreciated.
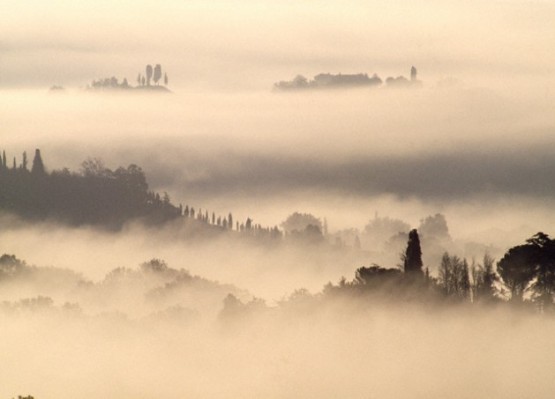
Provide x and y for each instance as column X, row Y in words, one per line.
column 327, row 80
column 524, row 275
column 36, row 169
column 99, row 195
column 95, row 195
column 248, row 227
column 152, row 74
column 530, row 269
column 110, row 83
column 456, row 283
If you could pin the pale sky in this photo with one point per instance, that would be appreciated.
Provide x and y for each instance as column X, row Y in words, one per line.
column 246, row 45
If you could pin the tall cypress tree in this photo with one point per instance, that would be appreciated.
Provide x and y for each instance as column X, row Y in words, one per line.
column 413, row 255
column 38, row 165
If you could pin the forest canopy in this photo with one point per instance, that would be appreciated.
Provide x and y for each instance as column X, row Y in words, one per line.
column 94, row 195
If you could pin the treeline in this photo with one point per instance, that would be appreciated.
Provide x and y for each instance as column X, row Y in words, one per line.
column 525, row 275
column 227, row 223
column 328, row 81
column 143, row 81
column 95, row 195
column 524, row 278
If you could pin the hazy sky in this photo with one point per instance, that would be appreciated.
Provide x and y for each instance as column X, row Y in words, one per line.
column 474, row 143
column 222, row 45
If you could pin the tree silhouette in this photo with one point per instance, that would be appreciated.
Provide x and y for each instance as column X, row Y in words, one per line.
column 165, row 79
column 413, row 254
column 299, row 221
column 464, row 281
column 530, row 266
column 24, row 161
column 434, row 227
column 517, row 269
column 157, row 73
column 148, row 74
column 483, row 280
column 543, row 256
column 413, row 73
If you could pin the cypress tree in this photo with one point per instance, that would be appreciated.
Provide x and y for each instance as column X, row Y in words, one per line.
column 413, row 255
column 38, row 165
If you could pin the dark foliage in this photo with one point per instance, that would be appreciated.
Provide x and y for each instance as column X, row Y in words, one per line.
column 96, row 195
column 530, row 267
column 413, row 255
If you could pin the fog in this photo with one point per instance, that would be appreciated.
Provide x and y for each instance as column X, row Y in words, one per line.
column 145, row 310
column 302, row 348
column 264, row 155
column 248, row 44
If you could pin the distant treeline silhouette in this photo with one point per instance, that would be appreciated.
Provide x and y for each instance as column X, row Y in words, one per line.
column 98, row 195
column 95, row 195
column 329, row 81
column 143, row 81
column 524, row 278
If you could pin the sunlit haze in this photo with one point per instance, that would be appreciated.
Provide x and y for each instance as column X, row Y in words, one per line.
column 277, row 199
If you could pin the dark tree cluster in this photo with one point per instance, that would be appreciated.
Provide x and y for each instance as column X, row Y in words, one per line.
column 96, row 195
column 530, row 269
column 247, row 228
column 100, row 196
column 330, row 81
column 526, row 271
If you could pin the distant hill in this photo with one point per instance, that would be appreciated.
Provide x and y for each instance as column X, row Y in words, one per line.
column 158, row 89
